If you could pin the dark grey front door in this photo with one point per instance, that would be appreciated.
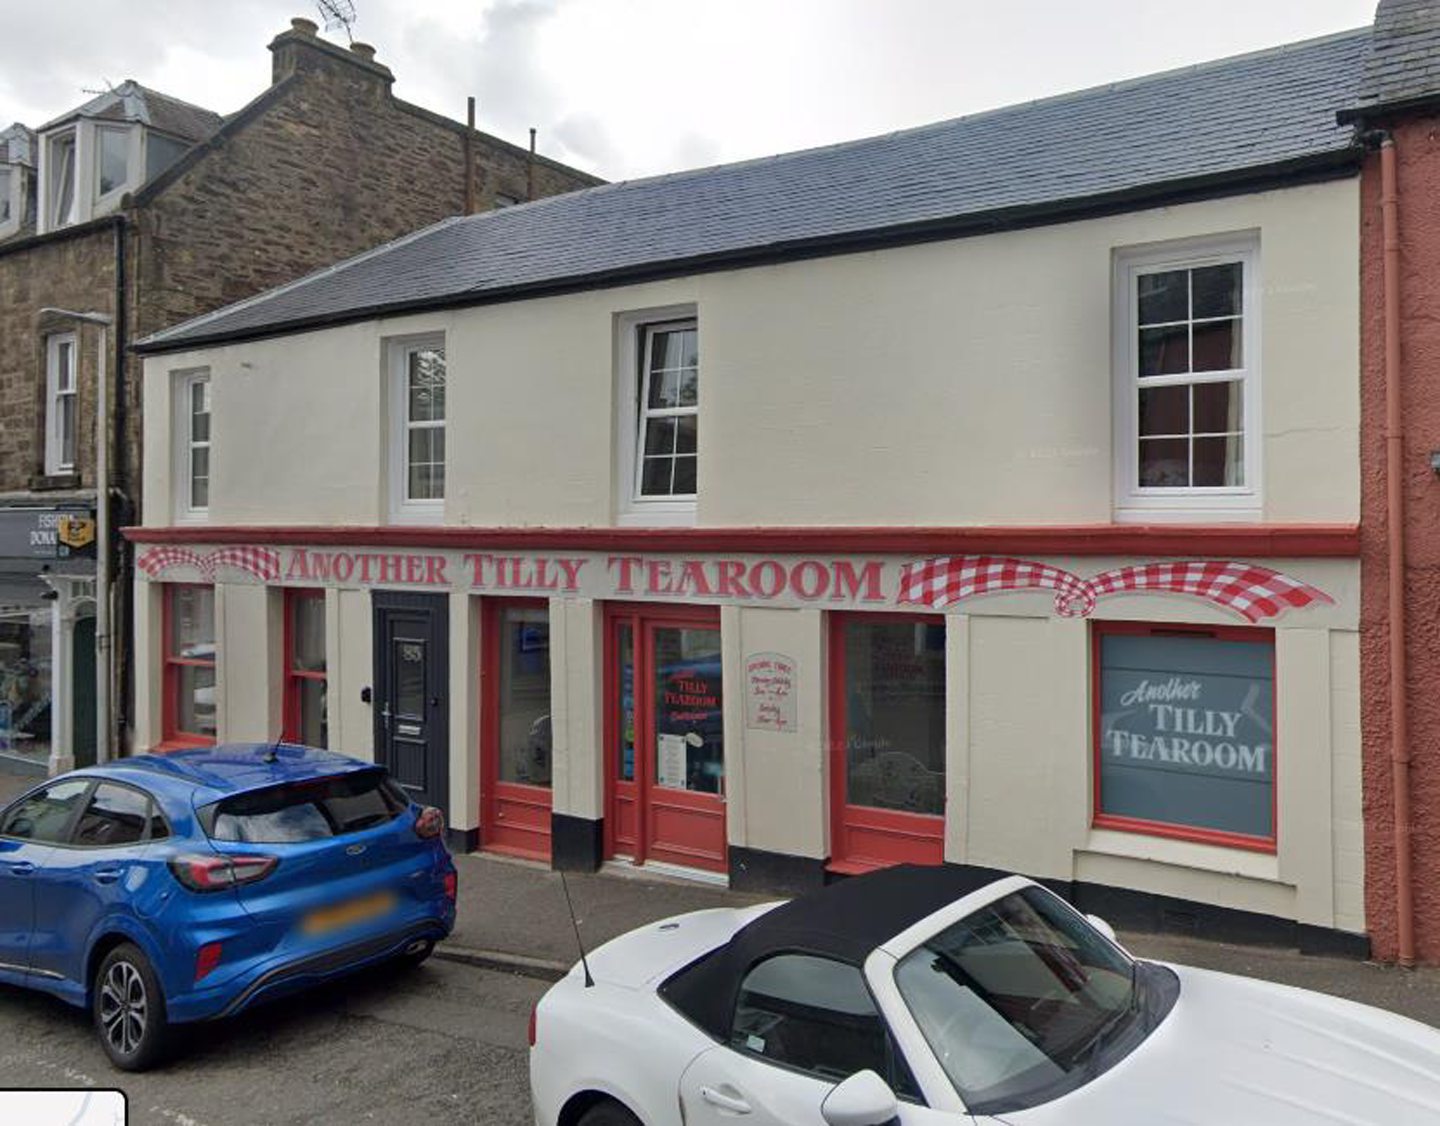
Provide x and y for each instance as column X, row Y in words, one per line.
column 411, row 703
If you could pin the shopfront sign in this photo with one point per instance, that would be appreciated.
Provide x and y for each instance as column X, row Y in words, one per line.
column 1251, row 591
column 1187, row 731
column 38, row 533
column 770, row 692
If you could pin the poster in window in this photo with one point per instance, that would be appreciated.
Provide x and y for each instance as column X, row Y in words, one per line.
column 1187, row 732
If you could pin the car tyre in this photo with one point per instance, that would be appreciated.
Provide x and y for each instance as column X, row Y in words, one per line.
column 608, row 1113
column 129, row 1010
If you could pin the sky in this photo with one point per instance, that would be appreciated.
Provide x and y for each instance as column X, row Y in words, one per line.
column 626, row 88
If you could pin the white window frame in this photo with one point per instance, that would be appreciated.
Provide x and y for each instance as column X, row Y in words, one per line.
column 631, row 333
column 185, row 444
column 133, row 155
column 1194, row 503
column 59, row 386
column 79, row 212
column 14, row 196
column 398, row 352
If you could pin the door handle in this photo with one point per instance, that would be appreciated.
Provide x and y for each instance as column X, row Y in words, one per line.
column 23, row 868
column 385, row 714
column 107, row 875
column 733, row 1103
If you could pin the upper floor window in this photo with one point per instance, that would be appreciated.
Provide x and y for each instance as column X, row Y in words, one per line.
column 660, row 435
column 417, row 438
column 60, row 162
column 192, row 448
column 60, row 403
column 1187, row 382
column 112, row 159
column 9, row 209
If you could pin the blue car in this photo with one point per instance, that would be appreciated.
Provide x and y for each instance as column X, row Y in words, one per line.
column 164, row 889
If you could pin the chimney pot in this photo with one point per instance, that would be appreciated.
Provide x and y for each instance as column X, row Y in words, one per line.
column 364, row 50
column 304, row 26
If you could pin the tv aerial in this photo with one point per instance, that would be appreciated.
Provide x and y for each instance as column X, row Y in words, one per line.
column 337, row 14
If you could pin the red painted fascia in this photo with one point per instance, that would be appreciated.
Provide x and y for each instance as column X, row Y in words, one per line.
column 1254, row 541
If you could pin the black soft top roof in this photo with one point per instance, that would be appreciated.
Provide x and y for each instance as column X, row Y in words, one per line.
column 845, row 921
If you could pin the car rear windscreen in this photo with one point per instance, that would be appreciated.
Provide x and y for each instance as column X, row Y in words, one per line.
column 306, row 811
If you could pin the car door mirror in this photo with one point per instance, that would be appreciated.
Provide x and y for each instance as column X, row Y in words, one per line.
column 862, row 1100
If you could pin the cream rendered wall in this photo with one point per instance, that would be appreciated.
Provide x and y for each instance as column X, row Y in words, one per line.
column 577, row 707
column 955, row 382
column 249, row 638
column 776, row 783
column 350, row 668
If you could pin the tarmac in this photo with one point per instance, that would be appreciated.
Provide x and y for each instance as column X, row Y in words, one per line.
column 512, row 916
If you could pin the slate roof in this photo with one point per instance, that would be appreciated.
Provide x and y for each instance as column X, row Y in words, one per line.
column 1403, row 62
column 1237, row 120
column 17, row 145
column 132, row 102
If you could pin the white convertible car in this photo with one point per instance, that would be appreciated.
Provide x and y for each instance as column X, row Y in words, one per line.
column 930, row 996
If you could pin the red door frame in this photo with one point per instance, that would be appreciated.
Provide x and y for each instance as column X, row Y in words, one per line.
column 514, row 816
column 699, row 818
column 1103, row 820
column 171, row 737
column 863, row 838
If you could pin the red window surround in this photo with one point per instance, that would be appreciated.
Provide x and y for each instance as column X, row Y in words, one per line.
column 1101, row 820
column 173, row 736
column 295, row 677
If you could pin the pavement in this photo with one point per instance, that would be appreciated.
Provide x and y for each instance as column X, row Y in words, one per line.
column 512, row 917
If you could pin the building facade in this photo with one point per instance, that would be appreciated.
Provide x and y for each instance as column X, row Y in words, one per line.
column 1009, row 523
column 144, row 210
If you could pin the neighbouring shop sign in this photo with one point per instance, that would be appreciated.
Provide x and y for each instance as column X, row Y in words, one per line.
column 31, row 533
column 1187, row 732
column 1249, row 590
column 770, row 692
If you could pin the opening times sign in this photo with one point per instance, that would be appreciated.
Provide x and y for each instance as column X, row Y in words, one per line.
column 1187, row 732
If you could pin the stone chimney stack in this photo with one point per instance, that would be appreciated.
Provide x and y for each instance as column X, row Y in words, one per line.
column 302, row 50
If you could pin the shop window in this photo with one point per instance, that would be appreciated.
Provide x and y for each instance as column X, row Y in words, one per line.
column 60, row 403
column 1185, row 733
column 192, row 446
column 26, row 682
column 306, row 714
column 888, row 711
column 417, row 432
column 659, row 439
column 189, row 632
column 1187, row 380
column 524, row 700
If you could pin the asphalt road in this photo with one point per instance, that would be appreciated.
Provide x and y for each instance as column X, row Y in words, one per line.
column 442, row 1044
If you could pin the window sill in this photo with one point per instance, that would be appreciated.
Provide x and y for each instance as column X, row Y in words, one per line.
column 1184, row 854
column 1201, row 512
column 657, row 516
column 430, row 514
column 47, row 482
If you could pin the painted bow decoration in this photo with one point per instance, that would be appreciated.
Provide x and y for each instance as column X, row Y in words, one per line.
column 258, row 561
column 1254, row 592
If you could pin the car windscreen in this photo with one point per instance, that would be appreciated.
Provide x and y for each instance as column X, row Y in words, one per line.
column 306, row 811
column 1023, row 1000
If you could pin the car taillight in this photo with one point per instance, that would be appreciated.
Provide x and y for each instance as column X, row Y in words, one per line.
column 207, row 959
column 451, row 885
column 531, row 1033
column 216, row 873
column 430, row 823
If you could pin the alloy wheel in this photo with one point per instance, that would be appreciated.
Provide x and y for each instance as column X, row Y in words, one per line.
column 123, row 1007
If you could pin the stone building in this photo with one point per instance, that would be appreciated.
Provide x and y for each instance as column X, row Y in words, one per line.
column 145, row 211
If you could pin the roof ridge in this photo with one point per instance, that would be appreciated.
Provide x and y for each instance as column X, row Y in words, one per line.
column 948, row 122
column 295, row 283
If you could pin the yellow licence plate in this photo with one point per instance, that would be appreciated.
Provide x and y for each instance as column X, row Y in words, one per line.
column 327, row 919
